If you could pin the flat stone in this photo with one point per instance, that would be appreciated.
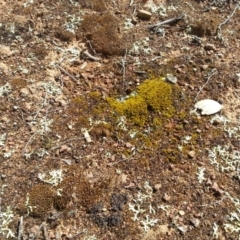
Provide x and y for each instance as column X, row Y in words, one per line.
column 163, row 229
column 195, row 222
column 62, row 103
column 144, row 15
column 204, row 67
column 171, row 79
column 24, row 91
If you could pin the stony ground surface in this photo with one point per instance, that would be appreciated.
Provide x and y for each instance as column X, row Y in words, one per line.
column 97, row 142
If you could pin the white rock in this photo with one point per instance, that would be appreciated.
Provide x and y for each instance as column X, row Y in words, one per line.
column 208, row 106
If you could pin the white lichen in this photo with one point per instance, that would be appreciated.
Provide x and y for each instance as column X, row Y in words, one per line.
column 2, row 139
column 141, row 47
column 234, row 225
column 8, row 154
column 128, row 24
column 165, row 208
column 200, row 175
column 51, row 88
column 136, row 209
column 55, row 178
column 186, row 139
column 220, row 118
column 44, row 125
column 122, row 123
column 5, row 219
column 148, row 223
column 143, row 204
column 223, row 159
column 72, row 23
column 5, row 89
column 28, row 3
column 215, row 234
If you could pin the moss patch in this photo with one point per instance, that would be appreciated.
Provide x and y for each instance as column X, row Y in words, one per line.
column 152, row 96
column 41, row 199
column 102, row 30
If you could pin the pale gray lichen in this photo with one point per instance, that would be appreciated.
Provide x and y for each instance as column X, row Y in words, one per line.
column 51, row 88
column 138, row 207
column 55, row 178
column 224, row 159
column 200, row 174
column 141, row 47
column 5, row 89
column 2, row 139
column 5, row 219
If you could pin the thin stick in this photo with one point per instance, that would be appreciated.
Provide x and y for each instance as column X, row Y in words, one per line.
column 123, row 65
column 70, row 75
column 172, row 20
column 20, row 228
column 129, row 158
column 238, row 171
column 217, row 202
column 29, row 141
column 91, row 56
column 213, row 72
column 155, row 58
column 44, row 228
column 219, row 28
column 89, row 42
column 131, row 3
column 38, row 111
column 60, row 144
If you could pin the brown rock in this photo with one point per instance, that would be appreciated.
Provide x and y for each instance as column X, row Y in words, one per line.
column 191, row 154
column 209, row 47
column 144, row 15
column 181, row 213
column 163, row 229
column 195, row 222
column 166, row 197
column 157, row 186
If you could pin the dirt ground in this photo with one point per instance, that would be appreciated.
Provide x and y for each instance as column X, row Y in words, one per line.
column 99, row 136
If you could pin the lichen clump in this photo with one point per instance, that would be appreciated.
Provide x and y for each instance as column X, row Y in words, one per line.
column 152, row 96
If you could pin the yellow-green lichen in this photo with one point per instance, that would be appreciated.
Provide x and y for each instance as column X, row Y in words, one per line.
column 134, row 108
column 152, row 96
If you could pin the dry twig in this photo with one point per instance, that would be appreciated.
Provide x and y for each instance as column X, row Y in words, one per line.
column 128, row 158
column 28, row 142
column 91, row 56
column 70, row 75
column 60, row 144
column 172, row 20
column 44, row 229
column 44, row 103
column 219, row 28
column 20, row 229
column 123, row 62
column 213, row 72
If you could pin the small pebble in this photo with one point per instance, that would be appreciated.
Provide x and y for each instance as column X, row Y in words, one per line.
column 144, row 15
column 191, row 154
column 181, row 213
column 195, row 222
